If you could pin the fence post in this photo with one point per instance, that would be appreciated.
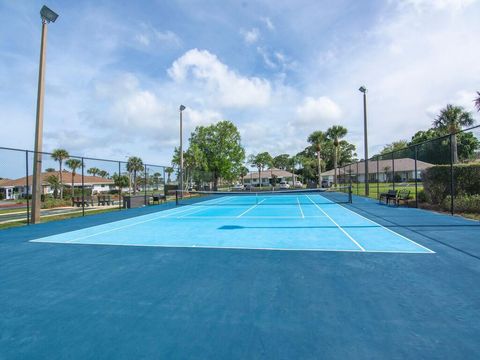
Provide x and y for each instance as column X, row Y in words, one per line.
column 83, row 189
column 119, row 187
column 452, row 188
column 378, row 178
column 145, row 184
column 356, row 180
column 393, row 171
column 415, row 174
column 28, row 192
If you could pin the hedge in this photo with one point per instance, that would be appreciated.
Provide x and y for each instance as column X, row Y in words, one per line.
column 436, row 181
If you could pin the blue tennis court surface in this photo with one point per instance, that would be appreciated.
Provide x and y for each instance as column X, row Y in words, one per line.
column 294, row 222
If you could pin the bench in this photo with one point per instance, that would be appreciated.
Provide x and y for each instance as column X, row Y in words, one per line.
column 403, row 195
column 158, row 198
column 390, row 195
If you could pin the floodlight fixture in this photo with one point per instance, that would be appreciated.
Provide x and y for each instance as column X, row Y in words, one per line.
column 182, row 108
column 48, row 14
column 362, row 89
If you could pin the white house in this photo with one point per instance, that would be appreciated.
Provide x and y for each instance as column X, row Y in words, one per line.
column 401, row 170
column 267, row 176
column 13, row 189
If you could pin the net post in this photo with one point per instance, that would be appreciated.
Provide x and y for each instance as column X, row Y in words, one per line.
column 350, row 194
column 416, row 182
column 83, row 188
column 452, row 187
column 28, row 192
column 119, row 187
column 176, row 197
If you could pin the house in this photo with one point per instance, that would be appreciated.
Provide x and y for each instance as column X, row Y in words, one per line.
column 13, row 189
column 267, row 176
column 379, row 171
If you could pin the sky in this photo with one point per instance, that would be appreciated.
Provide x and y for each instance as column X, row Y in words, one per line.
column 117, row 71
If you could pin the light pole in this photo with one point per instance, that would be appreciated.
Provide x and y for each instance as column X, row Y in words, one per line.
column 363, row 89
column 180, row 181
column 47, row 16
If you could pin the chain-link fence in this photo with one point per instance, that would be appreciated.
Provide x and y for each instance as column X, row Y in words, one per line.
column 441, row 174
column 70, row 186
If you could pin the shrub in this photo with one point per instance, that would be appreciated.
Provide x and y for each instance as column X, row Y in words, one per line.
column 422, row 196
column 436, row 181
column 50, row 203
column 463, row 203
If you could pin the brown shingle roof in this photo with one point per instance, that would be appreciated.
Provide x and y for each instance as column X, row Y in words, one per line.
column 66, row 177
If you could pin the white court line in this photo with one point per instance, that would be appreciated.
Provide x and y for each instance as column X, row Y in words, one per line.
column 205, row 207
column 250, row 208
column 234, row 247
column 393, row 232
column 254, row 217
column 301, row 211
column 120, row 227
column 339, row 227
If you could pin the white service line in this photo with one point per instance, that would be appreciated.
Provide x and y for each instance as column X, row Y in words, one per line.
column 393, row 232
column 338, row 226
column 204, row 207
column 250, row 208
column 301, row 211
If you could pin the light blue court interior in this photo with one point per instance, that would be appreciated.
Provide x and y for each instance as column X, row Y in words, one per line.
column 294, row 222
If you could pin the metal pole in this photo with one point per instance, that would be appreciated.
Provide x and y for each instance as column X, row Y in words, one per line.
column 365, row 136
column 37, row 162
column 145, row 185
column 378, row 178
column 180, row 180
column 28, row 191
column 119, row 187
column 452, row 188
column 416, row 183
column 393, row 171
column 356, row 180
column 83, row 189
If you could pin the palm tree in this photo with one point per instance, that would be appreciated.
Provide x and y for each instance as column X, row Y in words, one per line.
column 73, row 164
column 477, row 101
column 243, row 172
column 156, row 179
column 451, row 120
column 134, row 164
column 335, row 133
column 260, row 161
column 93, row 171
column 318, row 139
column 104, row 174
column 169, row 171
column 60, row 155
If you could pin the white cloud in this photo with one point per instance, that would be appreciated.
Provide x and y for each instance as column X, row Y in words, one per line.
column 322, row 111
column 425, row 5
column 268, row 23
column 250, row 36
column 228, row 88
column 149, row 35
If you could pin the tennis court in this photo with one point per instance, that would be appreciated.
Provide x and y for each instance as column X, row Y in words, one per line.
column 216, row 277
column 294, row 220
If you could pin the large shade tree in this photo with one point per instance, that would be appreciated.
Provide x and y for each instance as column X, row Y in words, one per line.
column 60, row 155
column 317, row 140
column 477, row 101
column 335, row 134
column 222, row 153
column 281, row 161
column 450, row 121
column 134, row 165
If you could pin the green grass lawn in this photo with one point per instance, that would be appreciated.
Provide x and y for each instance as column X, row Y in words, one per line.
column 377, row 188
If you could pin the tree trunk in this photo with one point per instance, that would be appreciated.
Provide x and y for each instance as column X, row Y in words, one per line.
column 319, row 169
column 259, row 177
column 215, row 182
column 134, row 182
column 61, row 181
column 73, row 178
column 455, row 148
column 335, row 166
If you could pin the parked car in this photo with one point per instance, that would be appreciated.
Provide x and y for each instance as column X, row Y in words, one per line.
column 238, row 187
column 325, row 184
column 284, row 185
column 298, row 184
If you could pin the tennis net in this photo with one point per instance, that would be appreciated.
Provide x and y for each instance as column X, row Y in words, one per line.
column 283, row 197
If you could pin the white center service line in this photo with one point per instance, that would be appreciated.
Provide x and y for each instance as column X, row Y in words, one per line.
column 250, row 208
column 339, row 227
column 301, row 210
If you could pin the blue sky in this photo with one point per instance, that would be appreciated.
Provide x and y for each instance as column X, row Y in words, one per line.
column 118, row 70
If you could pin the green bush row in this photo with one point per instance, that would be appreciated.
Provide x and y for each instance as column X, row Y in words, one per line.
column 436, row 181
column 463, row 203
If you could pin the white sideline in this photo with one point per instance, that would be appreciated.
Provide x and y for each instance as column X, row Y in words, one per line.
column 339, row 227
